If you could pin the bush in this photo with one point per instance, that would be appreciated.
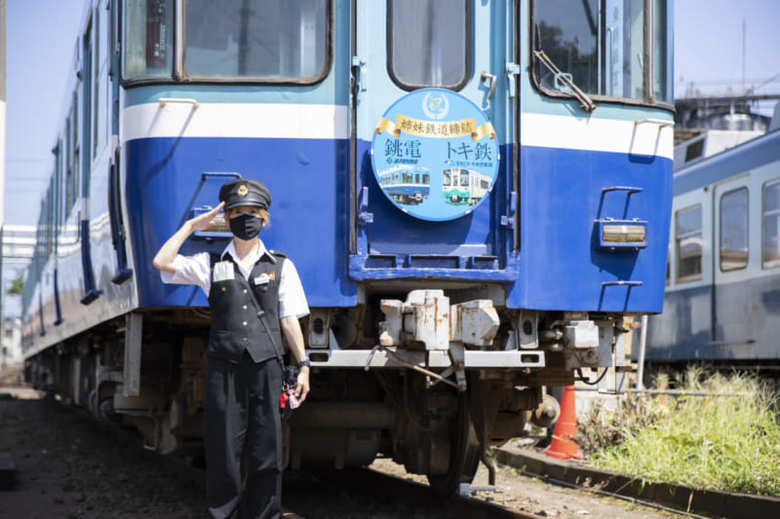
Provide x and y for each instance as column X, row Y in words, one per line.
column 717, row 442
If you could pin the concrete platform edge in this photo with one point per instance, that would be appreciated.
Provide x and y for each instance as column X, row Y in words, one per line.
column 705, row 502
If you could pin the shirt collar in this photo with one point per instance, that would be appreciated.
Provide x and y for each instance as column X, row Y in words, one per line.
column 259, row 252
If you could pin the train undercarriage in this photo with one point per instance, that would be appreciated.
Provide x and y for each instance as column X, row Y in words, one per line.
column 431, row 380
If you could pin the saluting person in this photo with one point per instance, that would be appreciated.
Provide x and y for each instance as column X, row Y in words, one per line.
column 255, row 295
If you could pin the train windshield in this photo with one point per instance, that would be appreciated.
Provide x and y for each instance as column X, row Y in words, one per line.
column 600, row 44
column 239, row 40
column 429, row 42
column 268, row 39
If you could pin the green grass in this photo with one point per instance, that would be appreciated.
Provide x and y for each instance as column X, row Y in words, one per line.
column 722, row 443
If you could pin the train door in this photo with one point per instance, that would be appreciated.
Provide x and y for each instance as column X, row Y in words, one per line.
column 731, row 295
column 89, row 95
column 398, row 47
column 115, row 191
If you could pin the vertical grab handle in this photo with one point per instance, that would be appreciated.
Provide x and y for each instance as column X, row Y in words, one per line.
column 364, row 216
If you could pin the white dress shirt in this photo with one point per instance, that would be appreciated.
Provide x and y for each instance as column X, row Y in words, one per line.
column 196, row 270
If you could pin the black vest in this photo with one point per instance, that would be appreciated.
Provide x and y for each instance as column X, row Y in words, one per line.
column 237, row 324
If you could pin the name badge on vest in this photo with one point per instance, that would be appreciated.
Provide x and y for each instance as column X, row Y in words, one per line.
column 223, row 271
column 264, row 279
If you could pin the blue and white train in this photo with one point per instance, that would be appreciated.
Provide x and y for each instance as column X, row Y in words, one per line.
column 407, row 185
column 431, row 340
column 723, row 282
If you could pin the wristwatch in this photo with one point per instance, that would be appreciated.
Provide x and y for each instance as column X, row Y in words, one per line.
column 304, row 362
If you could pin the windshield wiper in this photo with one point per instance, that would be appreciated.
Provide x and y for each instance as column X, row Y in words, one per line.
column 587, row 103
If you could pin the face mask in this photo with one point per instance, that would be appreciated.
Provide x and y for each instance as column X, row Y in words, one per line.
column 246, row 226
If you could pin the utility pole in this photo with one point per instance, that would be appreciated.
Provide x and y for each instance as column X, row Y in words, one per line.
column 743, row 55
column 2, row 170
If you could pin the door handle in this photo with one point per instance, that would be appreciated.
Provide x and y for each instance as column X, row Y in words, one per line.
column 485, row 76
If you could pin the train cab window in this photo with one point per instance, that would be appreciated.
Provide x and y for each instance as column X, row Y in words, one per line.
column 771, row 210
column 148, row 39
column 734, row 230
column 600, row 46
column 464, row 179
column 661, row 85
column 688, row 237
column 274, row 39
column 429, row 42
column 446, row 178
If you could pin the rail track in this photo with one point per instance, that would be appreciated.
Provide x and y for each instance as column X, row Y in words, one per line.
column 372, row 494
column 69, row 465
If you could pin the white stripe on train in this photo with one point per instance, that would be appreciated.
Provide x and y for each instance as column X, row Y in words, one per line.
column 590, row 133
column 307, row 121
column 281, row 121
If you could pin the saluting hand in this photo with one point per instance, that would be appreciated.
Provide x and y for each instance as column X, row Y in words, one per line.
column 202, row 221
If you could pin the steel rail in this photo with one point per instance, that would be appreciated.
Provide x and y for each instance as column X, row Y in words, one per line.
column 369, row 481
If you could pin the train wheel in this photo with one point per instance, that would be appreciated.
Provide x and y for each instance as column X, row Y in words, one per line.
column 464, row 453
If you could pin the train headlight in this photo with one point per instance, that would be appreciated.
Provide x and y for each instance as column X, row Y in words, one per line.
column 622, row 234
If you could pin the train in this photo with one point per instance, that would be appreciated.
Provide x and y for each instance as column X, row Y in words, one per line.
column 462, row 186
column 722, row 277
column 406, row 184
column 434, row 328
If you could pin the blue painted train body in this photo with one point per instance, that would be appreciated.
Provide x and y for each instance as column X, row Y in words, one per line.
column 151, row 133
column 722, row 298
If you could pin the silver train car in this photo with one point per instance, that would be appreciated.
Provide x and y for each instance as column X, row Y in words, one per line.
column 722, row 300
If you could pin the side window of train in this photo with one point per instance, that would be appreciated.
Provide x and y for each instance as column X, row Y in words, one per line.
column 271, row 41
column 734, row 230
column 688, row 239
column 429, row 43
column 771, row 224
column 72, row 186
column 668, row 268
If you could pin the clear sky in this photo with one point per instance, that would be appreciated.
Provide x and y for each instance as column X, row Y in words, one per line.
column 41, row 39
column 708, row 45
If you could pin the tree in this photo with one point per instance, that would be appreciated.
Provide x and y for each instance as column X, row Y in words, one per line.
column 17, row 286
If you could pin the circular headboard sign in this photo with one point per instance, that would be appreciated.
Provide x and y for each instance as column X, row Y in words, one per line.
column 435, row 154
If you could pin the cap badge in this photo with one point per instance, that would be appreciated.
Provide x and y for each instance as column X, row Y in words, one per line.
column 242, row 190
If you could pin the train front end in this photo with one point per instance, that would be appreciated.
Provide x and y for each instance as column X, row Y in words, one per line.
column 474, row 193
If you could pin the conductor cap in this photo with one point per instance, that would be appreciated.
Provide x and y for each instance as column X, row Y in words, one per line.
column 243, row 191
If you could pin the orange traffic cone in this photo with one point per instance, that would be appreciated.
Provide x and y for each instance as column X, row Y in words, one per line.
column 563, row 445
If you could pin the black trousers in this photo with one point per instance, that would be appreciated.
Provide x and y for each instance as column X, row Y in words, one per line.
column 242, row 412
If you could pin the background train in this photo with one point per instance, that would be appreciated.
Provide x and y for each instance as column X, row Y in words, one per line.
column 430, row 339
column 722, row 279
